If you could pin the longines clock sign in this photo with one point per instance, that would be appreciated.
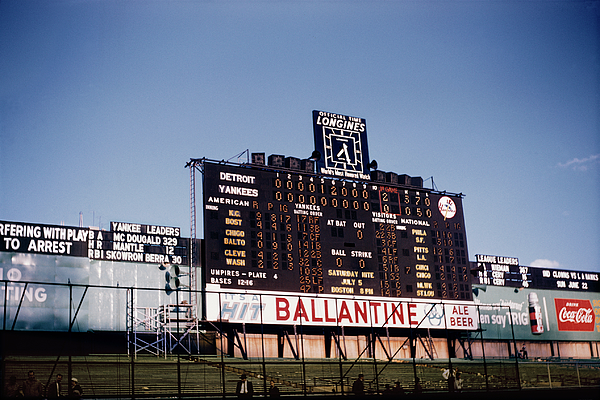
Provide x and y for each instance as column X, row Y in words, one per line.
column 342, row 141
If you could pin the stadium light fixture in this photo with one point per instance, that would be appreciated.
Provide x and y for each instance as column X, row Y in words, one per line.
column 172, row 275
column 315, row 156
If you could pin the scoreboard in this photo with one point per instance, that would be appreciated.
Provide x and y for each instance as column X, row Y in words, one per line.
column 507, row 271
column 501, row 271
column 285, row 230
column 129, row 242
column 134, row 242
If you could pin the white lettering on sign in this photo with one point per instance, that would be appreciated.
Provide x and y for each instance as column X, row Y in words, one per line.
column 561, row 274
column 340, row 122
column 49, row 246
column 497, row 260
column 20, row 230
column 239, row 191
column 225, row 176
column 223, row 200
column 163, row 230
column 22, row 237
column 124, row 227
column 580, row 316
column 15, row 293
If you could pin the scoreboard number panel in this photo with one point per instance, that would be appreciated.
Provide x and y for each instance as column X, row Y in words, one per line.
column 270, row 230
column 507, row 271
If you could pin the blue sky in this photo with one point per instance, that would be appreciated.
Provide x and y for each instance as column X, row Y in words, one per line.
column 103, row 102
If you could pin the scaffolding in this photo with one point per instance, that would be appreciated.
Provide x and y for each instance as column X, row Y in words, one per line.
column 170, row 328
column 162, row 330
column 194, row 164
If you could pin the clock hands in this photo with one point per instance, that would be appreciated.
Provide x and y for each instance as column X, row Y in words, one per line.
column 344, row 150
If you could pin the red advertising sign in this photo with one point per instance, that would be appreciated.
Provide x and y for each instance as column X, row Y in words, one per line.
column 574, row 315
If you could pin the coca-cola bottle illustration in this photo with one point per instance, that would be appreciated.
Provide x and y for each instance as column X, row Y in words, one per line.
column 535, row 314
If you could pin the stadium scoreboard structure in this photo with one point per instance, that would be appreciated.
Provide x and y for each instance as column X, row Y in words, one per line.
column 507, row 271
column 329, row 240
column 273, row 228
column 127, row 242
column 296, row 232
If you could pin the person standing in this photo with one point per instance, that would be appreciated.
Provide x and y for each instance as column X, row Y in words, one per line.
column 12, row 387
column 31, row 387
column 273, row 390
column 387, row 391
column 398, row 390
column 244, row 388
column 449, row 375
column 418, row 388
column 54, row 389
column 524, row 352
column 458, row 383
column 358, row 387
column 75, row 390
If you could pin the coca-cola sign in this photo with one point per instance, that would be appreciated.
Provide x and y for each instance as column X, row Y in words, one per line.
column 574, row 315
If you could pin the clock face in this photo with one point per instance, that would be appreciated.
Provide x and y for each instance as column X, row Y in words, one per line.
column 342, row 150
column 342, row 142
column 447, row 207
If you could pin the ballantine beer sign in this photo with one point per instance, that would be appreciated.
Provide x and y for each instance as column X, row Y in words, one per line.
column 306, row 310
column 574, row 315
